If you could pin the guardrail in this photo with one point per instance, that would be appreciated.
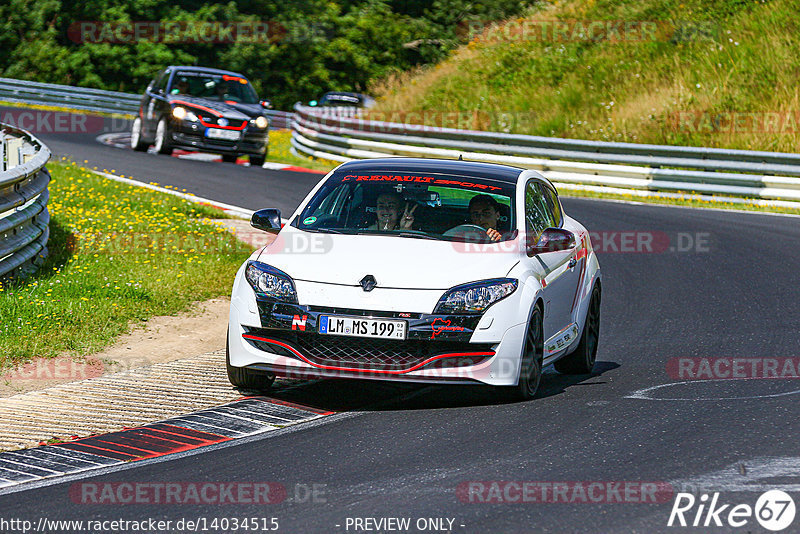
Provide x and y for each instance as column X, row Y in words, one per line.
column 572, row 162
column 82, row 98
column 24, row 217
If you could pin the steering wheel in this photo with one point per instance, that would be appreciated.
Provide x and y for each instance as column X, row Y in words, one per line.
column 464, row 230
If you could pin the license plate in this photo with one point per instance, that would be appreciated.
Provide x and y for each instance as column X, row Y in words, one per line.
column 217, row 133
column 362, row 327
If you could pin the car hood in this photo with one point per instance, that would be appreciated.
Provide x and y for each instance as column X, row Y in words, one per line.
column 395, row 262
column 229, row 111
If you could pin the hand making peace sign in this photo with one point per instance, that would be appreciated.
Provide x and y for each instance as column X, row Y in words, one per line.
column 408, row 217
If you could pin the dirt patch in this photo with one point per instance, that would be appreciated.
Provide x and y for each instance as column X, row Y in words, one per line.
column 161, row 339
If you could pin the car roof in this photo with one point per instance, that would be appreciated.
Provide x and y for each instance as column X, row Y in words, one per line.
column 474, row 169
column 206, row 70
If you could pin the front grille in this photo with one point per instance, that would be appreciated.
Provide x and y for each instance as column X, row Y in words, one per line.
column 232, row 123
column 372, row 354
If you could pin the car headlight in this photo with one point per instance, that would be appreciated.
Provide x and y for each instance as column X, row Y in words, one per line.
column 269, row 282
column 261, row 122
column 475, row 297
column 181, row 113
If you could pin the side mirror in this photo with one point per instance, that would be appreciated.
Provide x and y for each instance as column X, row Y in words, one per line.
column 553, row 240
column 268, row 220
column 266, row 104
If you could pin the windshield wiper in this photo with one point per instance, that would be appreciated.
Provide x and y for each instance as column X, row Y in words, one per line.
column 418, row 236
column 324, row 230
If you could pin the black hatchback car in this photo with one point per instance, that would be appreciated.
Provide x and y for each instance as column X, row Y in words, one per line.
column 204, row 109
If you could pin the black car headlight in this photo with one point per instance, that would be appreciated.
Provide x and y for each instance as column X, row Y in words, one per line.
column 269, row 282
column 475, row 297
column 260, row 122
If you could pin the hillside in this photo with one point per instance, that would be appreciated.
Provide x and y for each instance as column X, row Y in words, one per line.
column 688, row 72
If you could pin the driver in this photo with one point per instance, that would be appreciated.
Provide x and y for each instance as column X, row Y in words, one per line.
column 389, row 215
column 484, row 211
column 182, row 87
column 221, row 90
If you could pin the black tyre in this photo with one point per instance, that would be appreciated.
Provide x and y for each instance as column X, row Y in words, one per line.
column 242, row 377
column 162, row 143
column 230, row 158
column 581, row 361
column 257, row 160
column 137, row 143
column 530, row 374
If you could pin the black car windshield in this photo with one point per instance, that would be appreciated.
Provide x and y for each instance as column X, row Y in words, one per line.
column 222, row 87
column 424, row 206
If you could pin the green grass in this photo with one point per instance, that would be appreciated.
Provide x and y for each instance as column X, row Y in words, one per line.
column 44, row 107
column 707, row 60
column 279, row 152
column 119, row 255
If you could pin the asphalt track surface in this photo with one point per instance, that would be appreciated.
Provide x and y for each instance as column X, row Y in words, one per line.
column 402, row 451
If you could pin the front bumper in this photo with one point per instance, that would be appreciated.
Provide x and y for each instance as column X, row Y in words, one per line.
column 192, row 136
column 438, row 349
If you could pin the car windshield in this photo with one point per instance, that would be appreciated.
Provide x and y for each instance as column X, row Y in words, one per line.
column 424, row 206
column 220, row 87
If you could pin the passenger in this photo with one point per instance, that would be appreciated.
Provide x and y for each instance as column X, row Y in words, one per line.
column 389, row 215
column 484, row 211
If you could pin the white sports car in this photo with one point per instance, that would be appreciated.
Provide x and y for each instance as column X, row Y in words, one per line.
column 419, row 270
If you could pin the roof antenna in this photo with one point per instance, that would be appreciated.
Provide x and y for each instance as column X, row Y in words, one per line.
column 460, row 158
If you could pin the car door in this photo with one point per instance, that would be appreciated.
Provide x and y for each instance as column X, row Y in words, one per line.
column 559, row 282
column 570, row 263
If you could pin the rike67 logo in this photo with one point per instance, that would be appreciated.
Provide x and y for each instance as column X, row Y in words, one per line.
column 774, row 510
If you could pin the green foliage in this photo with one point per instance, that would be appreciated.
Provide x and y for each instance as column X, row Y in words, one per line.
column 319, row 45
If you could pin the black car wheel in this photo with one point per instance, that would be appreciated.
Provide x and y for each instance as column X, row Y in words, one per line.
column 530, row 374
column 136, row 136
column 581, row 361
column 230, row 158
column 162, row 144
column 257, row 160
column 242, row 377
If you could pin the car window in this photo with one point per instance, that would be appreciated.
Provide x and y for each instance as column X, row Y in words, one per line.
column 212, row 86
column 434, row 206
column 162, row 81
column 553, row 206
column 537, row 216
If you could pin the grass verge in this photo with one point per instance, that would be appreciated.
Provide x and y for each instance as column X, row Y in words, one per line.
column 675, row 72
column 119, row 254
column 43, row 107
column 280, row 144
